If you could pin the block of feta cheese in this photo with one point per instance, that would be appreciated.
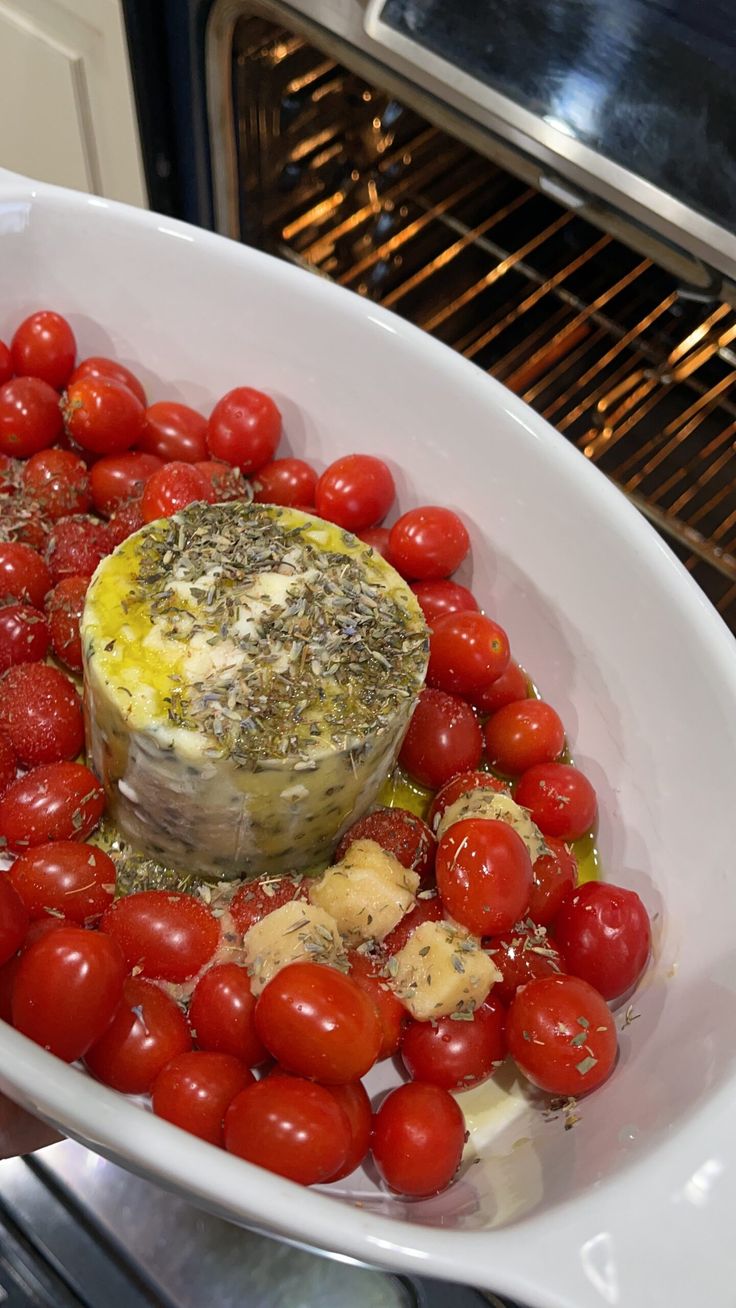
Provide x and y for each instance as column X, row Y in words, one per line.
column 367, row 893
column 249, row 673
column 295, row 933
column 485, row 803
column 441, row 970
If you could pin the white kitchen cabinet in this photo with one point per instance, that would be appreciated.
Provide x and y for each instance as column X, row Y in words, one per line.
column 67, row 110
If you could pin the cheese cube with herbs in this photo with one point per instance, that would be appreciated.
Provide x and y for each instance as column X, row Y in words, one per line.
column 441, row 970
column 367, row 893
column 249, row 674
column 295, row 933
column 485, row 803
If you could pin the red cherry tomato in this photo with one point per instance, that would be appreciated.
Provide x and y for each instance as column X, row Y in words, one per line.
column 377, row 538
column 443, row 738
column 244, row 429
column 22, row 522
column 418, row 1138
column 76, row 546
column 428, row 544
column 222, row 1014
column 6, row 363
column 400, row 833
column 24, row 635
column 172, row 488
column 23, row 575
column 41, row 714
column 560, row 799
column 523, row 734
column 225, row 483
column 512, row 685
column 67, row 990
column 7, row 981
column 30, row 417
column 103, row 415
column 169, row 935
column 58, row 801
column 555, row 878
column 484, row 875
column 64, row 877
column 356, row 1106
column 439, row 598
column 97, row 366
column 285, row 481
column 44, row 346
column 255, row 899
column 44, row 926
column 64, row 605
column 562, row 1035
column 8, row 764
column 522, row 956
column 174, row 432
column 14, row 919
column 124, row 521
column 604, row 936
column 58, row 482
column 456, row 1055
column 458, row 786
column 195, row 1090
column 466, row 651
column 147, row 1031
column 119, row 477
column 366, row 972
column 426, row 910
column 355, row 491
column 318, row 1023
column 290, row 1126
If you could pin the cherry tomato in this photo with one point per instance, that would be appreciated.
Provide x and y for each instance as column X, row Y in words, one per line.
column 24, row 635
column 174, row 432
column 44, row 926
column 102, row 415
column 458, row 786
column 64, row 605
column 604, row 936
column 443, row 738
column 523, row 734
column 400, row 833
column 41, row 714
column 244, row 429
column 560, row 799
column 290, row 1126
column 97, row 366
column 355, row 491
column 285, row 481
column 8, row 764
column 119, row 477
column 255, row 899
column 7, row 981
column 484, row 875
column 195, row 1090
column 555, row 878
column 466, row 651
column 356, row 1106
column 44, row 346
column 437, row 599
column 14, row 919
column 65, row 877
column 222, row 1014
column 522, row 956
column 366, row 972
column 6, row 363
column 428, row 544
column 22, row 522
column 124, row 521
column 562, row 1035
column 58, row 481
column 76, row 546
column 23, row 575
column 169, row 935
column 418, row 1138
column 147, row 1031
column 30, row 417
column 512, row 685
column 425, row 910
column 377, row 538
column 317, row 1022
column 67, row 990
column 456, row 1055
column 58, row 801
column 225, row 483
column 172, row 488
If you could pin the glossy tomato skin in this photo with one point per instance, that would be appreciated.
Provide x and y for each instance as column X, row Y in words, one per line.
column 484, row 875
column 522, row 956
column 169, row 935
column 439, row 598
column 366, row 971
column 555, row 878
column 356, row 1105
column 62, row 876
column 356, row 492
column 44, row 346
column 523, row 734
column 222, row 1014
column 30, row 417
column 172, row 488
column 425, row 910
column 456, row 1055
column 562, row 1035
column 124, row 521
column 460, row 785
column 6, row 363
column 41, row 714
column 117, row 477
column 254, row 899
column 285, row 481
column 102, row 415
column 174, row 433
column 604, row 936
column 76, row 546
column 512, row 685
column 418, row 1138
column 377, row 538
column 428, row 544
column 23, row 575
column 467, row 651
column 24, row 635
column 443, row 738
column 318, row 1023
column 225, row 483
column 98, row 366
column 244, row 429
column 14, row 919
column 67, row 989
column 57, row 801
column 290, row 1126
column 64, row 605
column 147, row 1031
column 8, row 764
column 560, row 799
column 58, row 481
column 400, row 833
column 195, row 1090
